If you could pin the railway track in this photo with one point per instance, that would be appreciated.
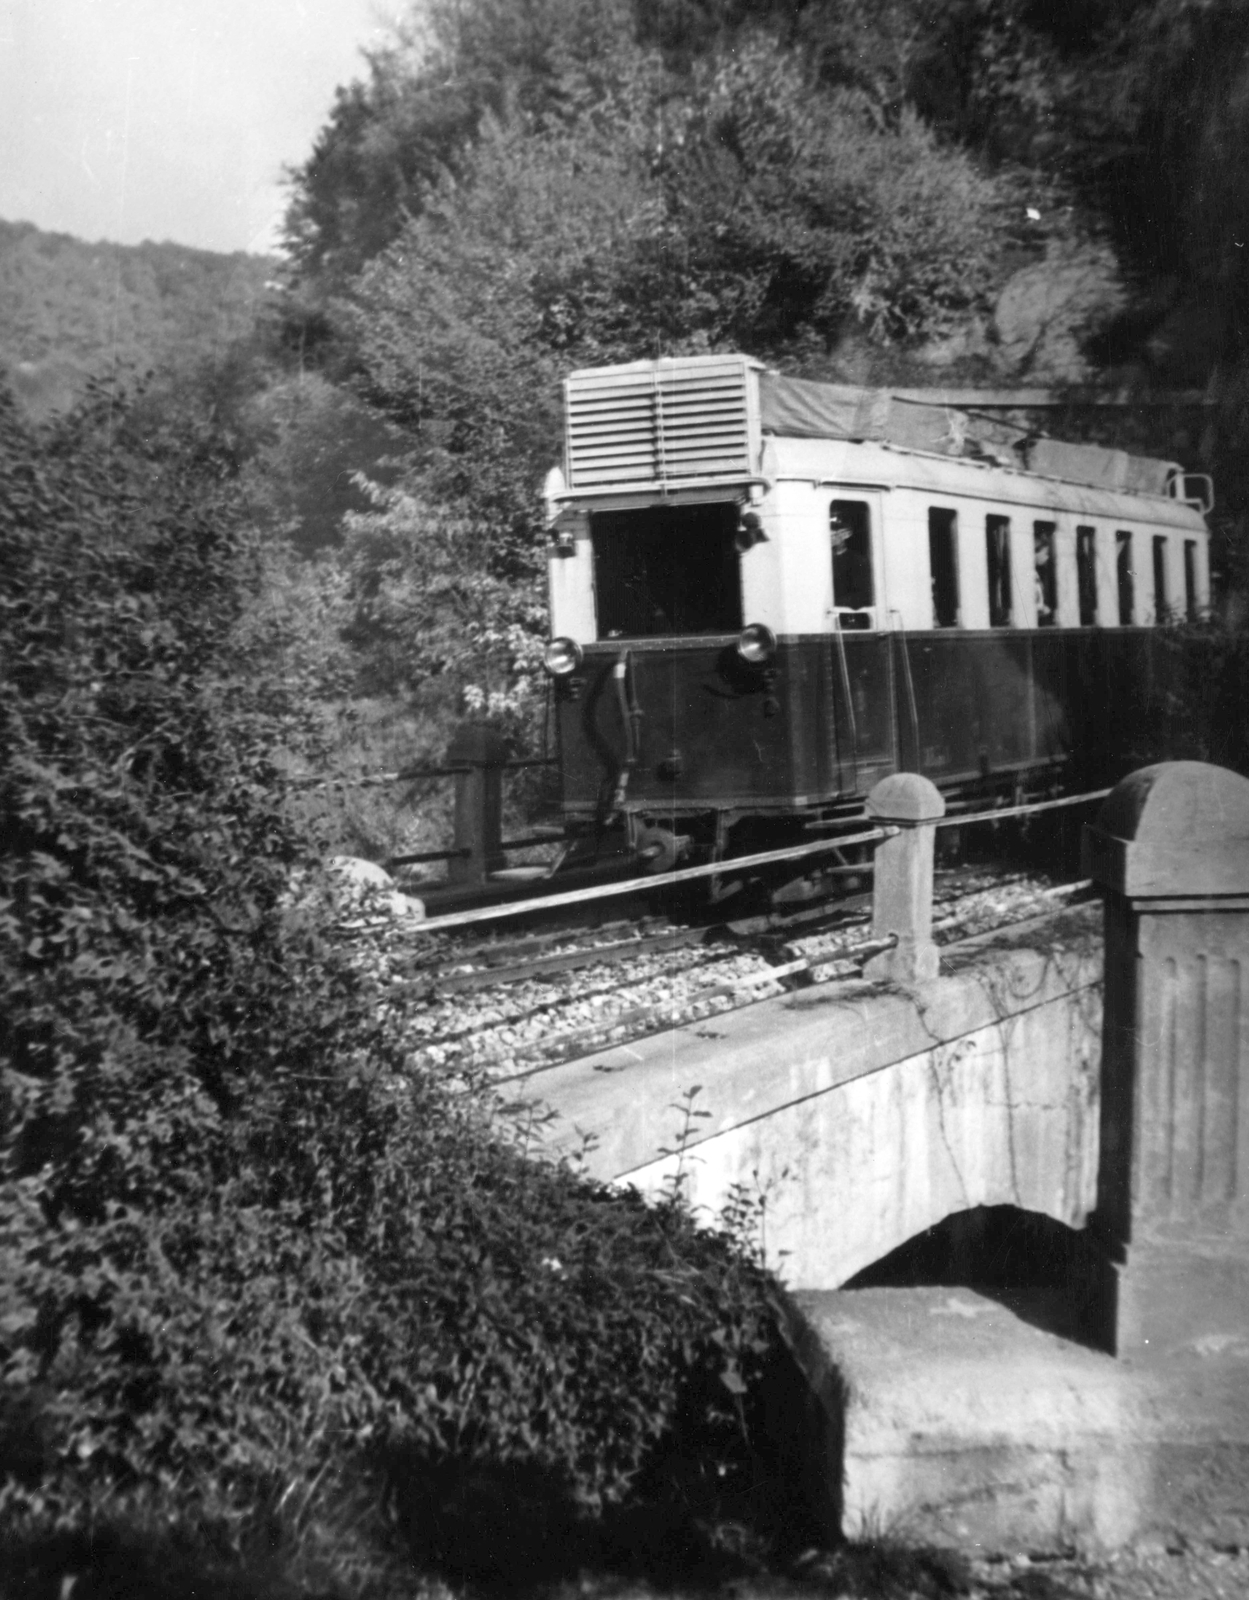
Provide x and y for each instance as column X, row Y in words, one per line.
column 507, row 1007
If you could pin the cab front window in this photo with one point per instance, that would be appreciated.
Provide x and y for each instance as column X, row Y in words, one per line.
column 667, row 570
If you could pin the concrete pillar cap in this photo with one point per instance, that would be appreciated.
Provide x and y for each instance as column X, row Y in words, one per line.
column 905, row 797
column 1179, row 828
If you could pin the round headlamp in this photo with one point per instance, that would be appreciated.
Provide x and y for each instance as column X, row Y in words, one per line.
column 749, row 532
column 561, row 657
column 756, row 644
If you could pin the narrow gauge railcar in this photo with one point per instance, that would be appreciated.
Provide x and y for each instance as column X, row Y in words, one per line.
column 768, row 593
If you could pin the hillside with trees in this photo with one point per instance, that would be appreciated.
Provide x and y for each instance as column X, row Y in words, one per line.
column 70, row 310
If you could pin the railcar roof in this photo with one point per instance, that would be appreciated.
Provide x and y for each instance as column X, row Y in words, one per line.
column 872, row 464
column 797, row 408
column 695, row 420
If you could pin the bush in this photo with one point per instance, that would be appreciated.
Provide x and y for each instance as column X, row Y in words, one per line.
column 249, row 1261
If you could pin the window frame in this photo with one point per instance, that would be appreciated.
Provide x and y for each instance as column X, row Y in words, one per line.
column 629, row 585
column 1045, row 534
column 945, row 529
column 1086, row 575
column 998, row 570
column 1160, row 551
column 1190, row 580
column 867, row 557
column 1125, row 577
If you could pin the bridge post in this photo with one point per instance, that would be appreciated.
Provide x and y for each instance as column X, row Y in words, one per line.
column 902, row 889
column 482, row 753
column 1170, row 850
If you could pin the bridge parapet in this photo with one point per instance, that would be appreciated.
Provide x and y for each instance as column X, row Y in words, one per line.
column 1171, row 853
column 867, row 1112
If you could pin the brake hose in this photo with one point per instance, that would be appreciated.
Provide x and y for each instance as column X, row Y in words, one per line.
column 630, row 717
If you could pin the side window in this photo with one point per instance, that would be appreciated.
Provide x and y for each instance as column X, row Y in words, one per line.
column 997, row 544
column 1124, row 577
column 1045, row 570
column 1162, row 601
column 850, row 525
column 1086, row 575
column 943, row 566
column 1190, row 579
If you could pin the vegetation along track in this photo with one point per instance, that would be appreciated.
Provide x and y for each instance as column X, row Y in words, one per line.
column 509, row 1006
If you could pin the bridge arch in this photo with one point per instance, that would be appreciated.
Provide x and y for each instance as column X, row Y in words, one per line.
column 867, row 1118
column 1047, row 1273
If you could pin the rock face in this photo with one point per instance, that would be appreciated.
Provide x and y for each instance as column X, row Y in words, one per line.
column 364, row 888
column 355, row 875
column 352, row 888
column 1047, row 312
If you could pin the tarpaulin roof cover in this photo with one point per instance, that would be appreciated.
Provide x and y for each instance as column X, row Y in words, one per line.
column 801, row 409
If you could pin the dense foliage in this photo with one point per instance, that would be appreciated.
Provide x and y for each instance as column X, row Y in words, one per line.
column 251, row 1265
column 744, row 214
column 1133, row 99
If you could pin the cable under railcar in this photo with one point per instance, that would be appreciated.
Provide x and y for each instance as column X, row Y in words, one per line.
column 768, row 593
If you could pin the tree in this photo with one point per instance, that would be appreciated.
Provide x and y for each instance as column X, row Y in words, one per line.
column 742, row 209
column 386, row 141
column 391, row 137
column 830, row 213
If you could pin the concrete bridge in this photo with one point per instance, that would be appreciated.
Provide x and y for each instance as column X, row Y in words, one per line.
column 1083, row 1407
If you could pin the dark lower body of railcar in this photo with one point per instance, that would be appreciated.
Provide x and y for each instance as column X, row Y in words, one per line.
column 685, row 735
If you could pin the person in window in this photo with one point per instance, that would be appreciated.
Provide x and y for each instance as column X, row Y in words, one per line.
column 1043, row 581
column 852, row 561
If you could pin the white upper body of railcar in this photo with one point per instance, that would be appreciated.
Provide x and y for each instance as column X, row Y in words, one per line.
column 859, row 508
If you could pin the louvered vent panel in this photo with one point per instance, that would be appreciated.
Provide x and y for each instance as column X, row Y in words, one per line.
column 658, row 422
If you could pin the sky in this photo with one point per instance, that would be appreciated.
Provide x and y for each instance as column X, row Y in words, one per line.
column 169, row 119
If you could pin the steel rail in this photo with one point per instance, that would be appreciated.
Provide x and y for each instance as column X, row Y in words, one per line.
column 442, row 983
column 659, row 880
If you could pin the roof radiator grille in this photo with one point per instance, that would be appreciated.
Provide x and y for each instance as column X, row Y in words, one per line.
column 662, row 422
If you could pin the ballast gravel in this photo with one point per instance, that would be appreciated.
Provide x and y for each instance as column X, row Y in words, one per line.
column 521, row 1024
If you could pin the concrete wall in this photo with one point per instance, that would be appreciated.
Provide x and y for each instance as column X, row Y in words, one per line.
column 865, row 1114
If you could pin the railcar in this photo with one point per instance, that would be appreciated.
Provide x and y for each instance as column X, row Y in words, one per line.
column 767, row 593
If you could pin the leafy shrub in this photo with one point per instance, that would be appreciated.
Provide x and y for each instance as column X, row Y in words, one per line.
column 248, row 1259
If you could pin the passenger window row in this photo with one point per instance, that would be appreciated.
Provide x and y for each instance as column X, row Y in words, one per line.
column 944, row 573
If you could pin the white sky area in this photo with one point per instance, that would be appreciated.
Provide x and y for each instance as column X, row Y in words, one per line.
column 169, row 119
